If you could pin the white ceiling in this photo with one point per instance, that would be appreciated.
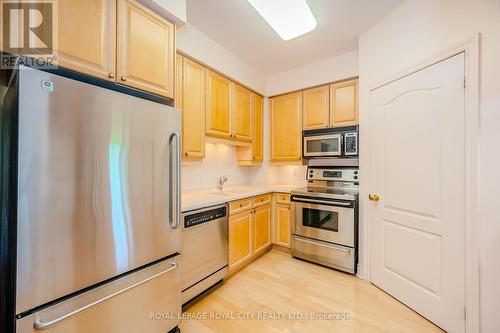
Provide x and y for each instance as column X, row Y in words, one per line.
column 236, row 25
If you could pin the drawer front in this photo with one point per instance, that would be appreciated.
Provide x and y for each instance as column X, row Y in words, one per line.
column 332, row 255
column 122, row 306
column 239, row 206
column 283, row 198
column 261, row 200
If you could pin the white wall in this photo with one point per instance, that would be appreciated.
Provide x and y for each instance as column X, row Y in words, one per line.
column 174, row 10
column 325, row 71
column 420, row 30
column 220, row 158
column 199, row 46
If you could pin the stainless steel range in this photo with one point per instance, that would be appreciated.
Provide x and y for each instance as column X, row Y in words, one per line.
column 325, row 229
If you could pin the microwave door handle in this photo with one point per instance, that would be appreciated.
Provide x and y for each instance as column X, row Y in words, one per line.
column 42, row 325
column 336, row 203
column 174, row 222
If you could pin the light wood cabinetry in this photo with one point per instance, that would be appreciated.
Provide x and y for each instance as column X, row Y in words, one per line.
column 240, row 238
column 344, row 103
column 249, row 229
column 87, row 37
column 316, row 108
column 241, row 114
column 218, row 105
column 146, row 49
column 261, row 228
column 119, row 41
column 254, row 154
column 286, row 127
column 283, row 225
column 193, row 109
column 179, row 80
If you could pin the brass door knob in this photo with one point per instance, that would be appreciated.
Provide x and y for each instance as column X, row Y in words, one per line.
column 373, row 197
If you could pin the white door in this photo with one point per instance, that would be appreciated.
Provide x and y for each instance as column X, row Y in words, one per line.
column 417, row 170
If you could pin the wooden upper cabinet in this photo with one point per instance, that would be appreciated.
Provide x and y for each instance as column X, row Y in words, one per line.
column 87, row 37
column 193, row 109
column 258, row 128
column 344, row 103
column 316, row 108
column 146, row 49
column 218, row 104
column 286, row 127
column 241, row 117
column 179, row 73
column 253, row 154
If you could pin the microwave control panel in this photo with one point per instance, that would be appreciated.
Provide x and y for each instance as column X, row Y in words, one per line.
column 351, row 144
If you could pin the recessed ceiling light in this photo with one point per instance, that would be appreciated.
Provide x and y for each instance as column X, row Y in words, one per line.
column 289, row 18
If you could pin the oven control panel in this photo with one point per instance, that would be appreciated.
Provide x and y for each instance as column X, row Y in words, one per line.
column 333, row 174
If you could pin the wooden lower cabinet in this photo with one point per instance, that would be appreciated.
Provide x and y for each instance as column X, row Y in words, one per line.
column 283, row 225
column 262, row 228
column 240, row 238
column 249, row 229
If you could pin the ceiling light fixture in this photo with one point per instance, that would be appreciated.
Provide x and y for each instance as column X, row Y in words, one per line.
column 290, row 18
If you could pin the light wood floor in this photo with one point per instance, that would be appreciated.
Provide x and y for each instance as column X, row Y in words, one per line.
column 277, row 283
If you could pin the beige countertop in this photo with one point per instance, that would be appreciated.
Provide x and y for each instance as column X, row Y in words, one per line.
column 200, row 198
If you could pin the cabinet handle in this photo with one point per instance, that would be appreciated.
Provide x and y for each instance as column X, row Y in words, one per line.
column 123, row 78
column 111, row 75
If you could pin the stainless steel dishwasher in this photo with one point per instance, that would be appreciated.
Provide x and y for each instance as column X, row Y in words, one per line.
column 205, row 250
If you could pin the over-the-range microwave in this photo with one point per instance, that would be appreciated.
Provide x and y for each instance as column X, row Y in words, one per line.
column 331, row 142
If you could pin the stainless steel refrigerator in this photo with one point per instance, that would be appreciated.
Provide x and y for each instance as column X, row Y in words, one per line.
column 90, row 208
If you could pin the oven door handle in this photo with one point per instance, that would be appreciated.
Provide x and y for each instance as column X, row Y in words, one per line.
column 332, row 247
column 336, row 203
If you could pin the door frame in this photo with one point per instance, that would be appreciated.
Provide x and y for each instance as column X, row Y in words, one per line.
column 471, row 50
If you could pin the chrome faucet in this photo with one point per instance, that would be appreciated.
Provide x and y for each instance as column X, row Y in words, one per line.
column 221, row 181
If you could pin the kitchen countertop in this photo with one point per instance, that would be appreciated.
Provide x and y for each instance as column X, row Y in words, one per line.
column 200, row 198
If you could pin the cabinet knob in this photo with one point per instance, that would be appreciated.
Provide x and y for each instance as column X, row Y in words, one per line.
column 241, row 205
column 123, row 78
column 111, row 75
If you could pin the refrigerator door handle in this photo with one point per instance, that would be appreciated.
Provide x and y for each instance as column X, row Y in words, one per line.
column 174, row 223
column 42, row 325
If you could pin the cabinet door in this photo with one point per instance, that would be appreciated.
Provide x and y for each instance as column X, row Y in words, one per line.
column 286, row 127
column 344, row 103
column 193, row 109
column 316, row 108
column 87, row 37
column 242, row 114
column 283, row 221
column 218, row 103
column 262, row 224
column 146, row 49
column 258, row 128
column 240, row 234
column 179, row 74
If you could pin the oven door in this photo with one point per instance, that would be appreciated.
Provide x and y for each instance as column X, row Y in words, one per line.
column 329, row 221
column 323, row 145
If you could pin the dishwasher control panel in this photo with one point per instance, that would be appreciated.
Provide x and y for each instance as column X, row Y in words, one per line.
column 204, row 216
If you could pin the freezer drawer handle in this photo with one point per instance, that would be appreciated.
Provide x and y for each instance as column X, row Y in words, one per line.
column 174, row 223
column 41, row 325
column 332, row 247
column 336, row 203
